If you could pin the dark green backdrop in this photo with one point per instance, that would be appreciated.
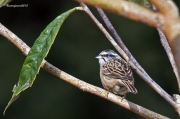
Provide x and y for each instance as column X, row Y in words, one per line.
column 74, row 51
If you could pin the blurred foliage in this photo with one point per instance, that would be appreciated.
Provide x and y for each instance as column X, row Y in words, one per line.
column 4, row 2
column 74, row 51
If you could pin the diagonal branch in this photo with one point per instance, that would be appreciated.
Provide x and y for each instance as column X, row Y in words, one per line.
column 171, row 28
column 134, row 64
column 169, row 53
column 125, row 49
column 167, row 19
column 167, row 48
column 79, row 83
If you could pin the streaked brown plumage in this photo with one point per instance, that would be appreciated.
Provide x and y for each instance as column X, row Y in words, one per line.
column 116, row 75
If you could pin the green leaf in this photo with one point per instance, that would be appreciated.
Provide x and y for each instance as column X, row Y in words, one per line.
column 37, row 54
column 4, row 2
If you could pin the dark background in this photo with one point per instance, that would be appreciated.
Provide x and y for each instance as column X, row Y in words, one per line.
column 74, row 51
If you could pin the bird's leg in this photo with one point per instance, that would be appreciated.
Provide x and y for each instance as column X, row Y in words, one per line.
column 123, row 97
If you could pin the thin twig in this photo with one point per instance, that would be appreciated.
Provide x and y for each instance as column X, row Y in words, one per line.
column 171, row 28
column 148, row 79
column 113, row 32
column 79, row 83
column 167, row 18
column 134, row 64
column 125, row 49
column 169, row 53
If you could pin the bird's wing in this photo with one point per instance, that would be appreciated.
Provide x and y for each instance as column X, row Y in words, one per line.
column 117, row 69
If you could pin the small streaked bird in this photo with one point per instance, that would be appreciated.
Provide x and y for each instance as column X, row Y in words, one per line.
column 115, row 73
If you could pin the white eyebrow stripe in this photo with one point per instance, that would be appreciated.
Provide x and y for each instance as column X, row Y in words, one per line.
column 104, row 53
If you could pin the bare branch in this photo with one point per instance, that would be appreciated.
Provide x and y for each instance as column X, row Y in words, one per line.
column 177, row 99
column 169, row 53
column 103, row 93
column 79, row 83
column 166, row 7
column 164, row 43
column 162, row 5
column 114, row 33
column 128, row 9
column 171, row 27
column 166, row 20
column 134, row 64
column 14, row 39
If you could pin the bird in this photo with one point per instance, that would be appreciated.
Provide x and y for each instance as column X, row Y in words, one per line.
column 115, row 73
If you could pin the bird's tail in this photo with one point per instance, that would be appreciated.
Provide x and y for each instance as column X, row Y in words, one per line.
column 130, row 87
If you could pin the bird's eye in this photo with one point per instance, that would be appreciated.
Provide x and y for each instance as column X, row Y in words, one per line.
column 104, row 55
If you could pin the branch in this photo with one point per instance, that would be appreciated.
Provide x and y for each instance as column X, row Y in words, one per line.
column 167, row 20
column 125, row 49
column 166, row 7
column 169, row 53
column 128, row 9
column 103, row 93
column 79, row 83
column 134, row 64
column 171, row 28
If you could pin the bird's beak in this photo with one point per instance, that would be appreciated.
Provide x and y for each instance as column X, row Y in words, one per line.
column 98, row 57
